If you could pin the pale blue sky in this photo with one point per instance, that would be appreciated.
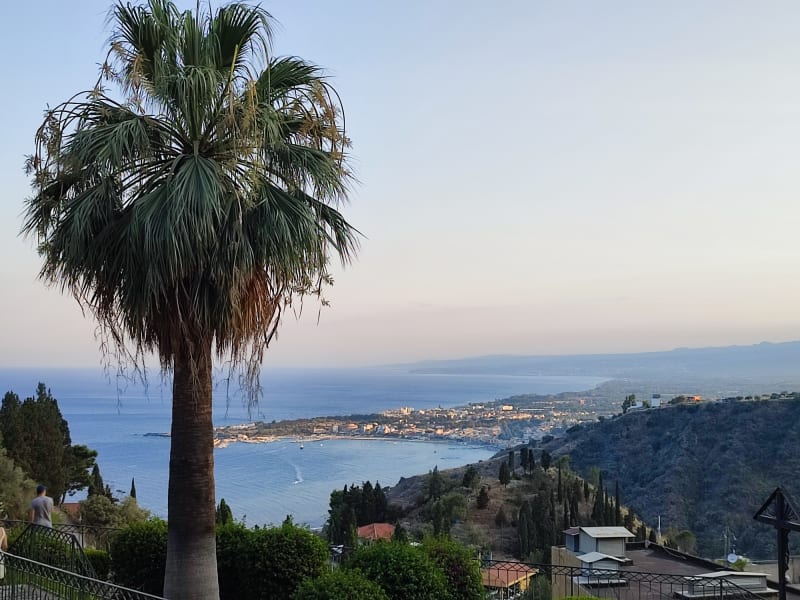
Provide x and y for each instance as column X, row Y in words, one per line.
column 536, row 177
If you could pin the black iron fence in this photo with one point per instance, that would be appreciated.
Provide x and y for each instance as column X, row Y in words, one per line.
column 523, row 581
column 88, row 536
column 26, row 579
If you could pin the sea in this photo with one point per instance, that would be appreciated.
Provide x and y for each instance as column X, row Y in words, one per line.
column 263, row 483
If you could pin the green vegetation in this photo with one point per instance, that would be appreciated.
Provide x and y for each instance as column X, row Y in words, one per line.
column 339, row 584
column 702, row 466
column 352, row 507
column 186, row 199
column 459, row 565
column 138, row 556
column 252, row 563
column 36, row 438
column 101, row 511
column 101, row 562
column 402, row 571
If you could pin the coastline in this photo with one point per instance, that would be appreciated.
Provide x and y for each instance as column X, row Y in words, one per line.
column 221, row 443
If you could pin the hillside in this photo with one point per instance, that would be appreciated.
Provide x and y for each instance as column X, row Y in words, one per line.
column 700, row 467
column 767, row 363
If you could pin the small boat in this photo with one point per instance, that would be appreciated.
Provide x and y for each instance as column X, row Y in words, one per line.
column 301, row 445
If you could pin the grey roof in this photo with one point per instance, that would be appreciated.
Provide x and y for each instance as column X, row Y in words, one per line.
column 607, row 532
column 592, row 557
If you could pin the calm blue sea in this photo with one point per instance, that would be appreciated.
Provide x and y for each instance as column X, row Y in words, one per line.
column 265, row 482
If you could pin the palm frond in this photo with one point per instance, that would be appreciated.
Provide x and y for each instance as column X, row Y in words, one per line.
column 204, row 204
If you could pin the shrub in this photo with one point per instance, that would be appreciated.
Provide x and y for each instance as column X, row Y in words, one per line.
column 139, row 556
column 278, row 559
column 101, row 562
column 233, row 543
column 341, row 584
column 401, row 570
column 459, row 566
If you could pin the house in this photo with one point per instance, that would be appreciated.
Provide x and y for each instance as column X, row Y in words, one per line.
column 609, row 541
column 720, row 584
column 375, row 531
column 594, row 561
column 507, row 580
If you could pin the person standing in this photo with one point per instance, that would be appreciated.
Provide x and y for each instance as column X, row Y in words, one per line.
column 41, row 507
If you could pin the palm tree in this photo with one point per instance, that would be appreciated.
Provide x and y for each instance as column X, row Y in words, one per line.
column 187, row 216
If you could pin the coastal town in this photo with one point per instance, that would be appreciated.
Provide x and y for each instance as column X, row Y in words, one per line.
column 498, row 423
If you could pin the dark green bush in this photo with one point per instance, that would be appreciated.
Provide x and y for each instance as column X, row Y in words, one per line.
column 401, row 570
column 279, row 558
column 101, row 561
column 253, row 564
column 233, row 543
column 459, row 566
column 341, row 584
column 139, row 556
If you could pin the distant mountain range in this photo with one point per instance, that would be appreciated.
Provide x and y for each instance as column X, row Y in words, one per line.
column 769, row 361
column 701, row 467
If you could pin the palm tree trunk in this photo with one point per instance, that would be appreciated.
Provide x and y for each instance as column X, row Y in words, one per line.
column 191, row 570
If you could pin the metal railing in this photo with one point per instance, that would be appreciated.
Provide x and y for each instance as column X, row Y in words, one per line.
column 88, row 536
column 524, row 581
column 52, row 547
column 27, row 579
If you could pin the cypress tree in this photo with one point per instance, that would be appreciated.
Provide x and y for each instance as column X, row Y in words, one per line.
column 511, row 461
column 617, row 507
column 223, row 513
column 483, row 498
column 545, row 458
column 133, row 488
column 560, row 489
column 505, row 474
column 574, row 512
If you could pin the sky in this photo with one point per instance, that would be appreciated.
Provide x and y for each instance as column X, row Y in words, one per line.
column 535, row 177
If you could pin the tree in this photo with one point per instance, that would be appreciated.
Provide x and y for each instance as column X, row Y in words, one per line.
column 523, row 459
column 459, row 567
column 400, row 535
column 16, row 489
column 402, row 571
column 187, row 217
column 434, row 484
column 339, row 584
column 545, row 460
column 471, row 477
column 223, row 514
column 37, row 439
column 132, row 493
column 511, row 464
column 483, row 498
column 628, row 402
column 505, row 473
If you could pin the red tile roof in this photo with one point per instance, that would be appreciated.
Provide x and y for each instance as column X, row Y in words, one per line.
column 504, row 575
column 376, row 531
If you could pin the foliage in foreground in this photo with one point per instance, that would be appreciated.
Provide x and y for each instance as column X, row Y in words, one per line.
column 139, row 555
column 252, row 563
column 340, row 584
column 402, row 571
column 459, row 566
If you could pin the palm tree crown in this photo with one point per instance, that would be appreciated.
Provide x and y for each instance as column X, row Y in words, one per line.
column 204, row 202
